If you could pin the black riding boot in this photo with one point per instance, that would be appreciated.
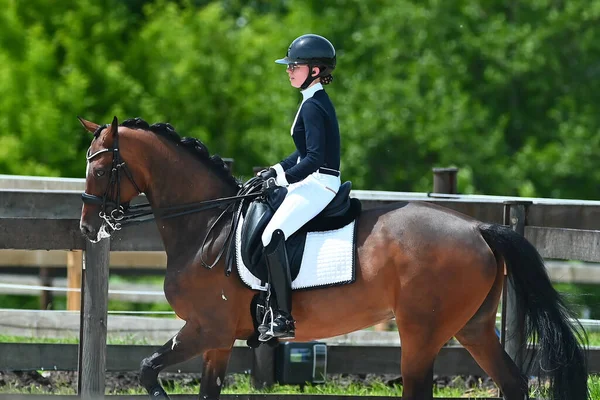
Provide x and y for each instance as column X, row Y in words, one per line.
column 281, row 289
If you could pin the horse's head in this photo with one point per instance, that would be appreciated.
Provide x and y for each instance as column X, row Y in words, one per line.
column 109, row 183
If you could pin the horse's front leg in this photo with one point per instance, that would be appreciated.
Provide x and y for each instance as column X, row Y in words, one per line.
column 188, row 343
column 213, row 373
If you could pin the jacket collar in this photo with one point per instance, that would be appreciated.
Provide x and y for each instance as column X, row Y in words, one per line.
column 310, row 91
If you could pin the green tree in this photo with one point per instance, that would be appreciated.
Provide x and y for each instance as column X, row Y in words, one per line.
column 506, row 92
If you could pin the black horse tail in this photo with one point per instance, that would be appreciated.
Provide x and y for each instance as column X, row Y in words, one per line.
column 542, row 316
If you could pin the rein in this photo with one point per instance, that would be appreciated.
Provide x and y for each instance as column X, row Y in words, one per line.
column 121, row 215
column 252, row 189
column 140, row 213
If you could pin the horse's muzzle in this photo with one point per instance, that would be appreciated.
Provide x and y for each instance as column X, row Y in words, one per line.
column 88, row 230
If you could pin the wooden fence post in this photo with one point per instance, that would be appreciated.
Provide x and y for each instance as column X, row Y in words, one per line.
column 94, row 316
column 263, row 366
column 46, row 296
column 444, row 180
column 515, row 216
column 74, row 267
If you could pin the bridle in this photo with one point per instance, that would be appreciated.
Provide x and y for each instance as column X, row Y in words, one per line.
column 122, row 214
column 113, row 189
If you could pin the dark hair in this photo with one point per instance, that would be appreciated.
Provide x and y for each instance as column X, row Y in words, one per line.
column 327, row 79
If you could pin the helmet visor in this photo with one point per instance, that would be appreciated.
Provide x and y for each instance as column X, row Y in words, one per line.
column 284, row 61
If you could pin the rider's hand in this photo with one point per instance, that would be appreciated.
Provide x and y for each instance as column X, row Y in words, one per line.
column 269, row 184
column 267, row 173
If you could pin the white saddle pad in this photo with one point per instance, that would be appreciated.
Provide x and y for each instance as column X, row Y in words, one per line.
column 328, row 260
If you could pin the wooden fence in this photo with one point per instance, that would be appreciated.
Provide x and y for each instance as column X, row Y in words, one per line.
column 359, row 352
column 452, row 360
column 49, row 220
column 559, row 229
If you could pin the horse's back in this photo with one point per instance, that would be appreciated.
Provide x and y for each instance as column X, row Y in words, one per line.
column 422, row 235
column 418, row 218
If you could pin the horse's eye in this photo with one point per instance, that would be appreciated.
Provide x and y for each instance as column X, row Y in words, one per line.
column 100, row 173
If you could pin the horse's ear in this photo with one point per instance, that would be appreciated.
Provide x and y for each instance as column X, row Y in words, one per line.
column 88, row 125
column 114, row 126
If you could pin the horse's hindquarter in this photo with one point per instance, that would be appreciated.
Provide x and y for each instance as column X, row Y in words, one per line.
column 414, row 260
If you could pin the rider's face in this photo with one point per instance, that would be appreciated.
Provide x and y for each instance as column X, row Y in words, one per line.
column 297, row 73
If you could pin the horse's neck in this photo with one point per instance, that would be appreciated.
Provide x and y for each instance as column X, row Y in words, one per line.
column 179, row 180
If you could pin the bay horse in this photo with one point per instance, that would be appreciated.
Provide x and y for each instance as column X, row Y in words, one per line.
column 438, row 272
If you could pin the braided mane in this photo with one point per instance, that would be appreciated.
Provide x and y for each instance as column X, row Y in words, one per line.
column 193, row 145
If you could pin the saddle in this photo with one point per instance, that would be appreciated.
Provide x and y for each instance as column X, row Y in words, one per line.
column 339, row 212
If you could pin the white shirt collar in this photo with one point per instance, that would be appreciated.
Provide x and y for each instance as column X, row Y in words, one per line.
column 310, row 91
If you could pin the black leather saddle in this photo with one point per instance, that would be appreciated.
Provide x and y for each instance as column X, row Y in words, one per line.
column 339, row 212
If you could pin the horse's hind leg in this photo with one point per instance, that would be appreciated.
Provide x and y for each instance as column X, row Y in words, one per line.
column 479, row 337
column 213, row 373
column 418, row 356
column 417, row 374
column 183, row 346
column 483, row 344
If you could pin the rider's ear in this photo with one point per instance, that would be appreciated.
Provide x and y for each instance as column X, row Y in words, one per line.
column 114, row 126
column 88, row 125
column 315, row 71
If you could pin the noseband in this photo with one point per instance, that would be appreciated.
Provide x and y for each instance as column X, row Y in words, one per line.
column 113, row 189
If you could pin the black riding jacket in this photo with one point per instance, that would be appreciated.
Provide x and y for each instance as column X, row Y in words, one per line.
column 316, row 134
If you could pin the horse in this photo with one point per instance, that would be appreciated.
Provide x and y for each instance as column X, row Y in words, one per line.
column 438, row 272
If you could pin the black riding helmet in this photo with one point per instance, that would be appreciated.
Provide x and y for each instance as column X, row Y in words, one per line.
column 315, row 51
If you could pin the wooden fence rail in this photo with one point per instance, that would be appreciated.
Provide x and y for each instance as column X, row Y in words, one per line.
column 452, row 360
column 27, row 218
column 49, row 220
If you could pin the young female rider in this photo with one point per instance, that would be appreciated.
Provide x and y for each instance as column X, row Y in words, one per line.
column 311, row 173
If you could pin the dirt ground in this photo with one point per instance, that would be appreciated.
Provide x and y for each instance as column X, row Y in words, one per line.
column 58, row 381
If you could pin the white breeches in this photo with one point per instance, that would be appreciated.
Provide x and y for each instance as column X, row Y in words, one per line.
column 304, row 200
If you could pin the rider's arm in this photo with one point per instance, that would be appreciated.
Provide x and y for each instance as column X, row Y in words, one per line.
column 314, row 124
column 284, row 165
column 290, row 161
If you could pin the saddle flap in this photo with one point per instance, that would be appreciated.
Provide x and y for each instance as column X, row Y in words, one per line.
column 256, row 219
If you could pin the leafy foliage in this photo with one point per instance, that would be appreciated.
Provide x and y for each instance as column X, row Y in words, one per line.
column 507, row 92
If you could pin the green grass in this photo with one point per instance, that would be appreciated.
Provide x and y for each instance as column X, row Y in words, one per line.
column 74, row 340
column 594, row 386
column 146, row 279
column 28, row 339
column 12, row 389
column 242, row 386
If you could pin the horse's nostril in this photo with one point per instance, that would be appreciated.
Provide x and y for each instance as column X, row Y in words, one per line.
column 86, row 229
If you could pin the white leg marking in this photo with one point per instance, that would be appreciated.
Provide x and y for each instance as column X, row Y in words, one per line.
column 175, row 342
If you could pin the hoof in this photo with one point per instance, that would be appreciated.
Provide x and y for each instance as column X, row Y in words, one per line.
column 158, row 393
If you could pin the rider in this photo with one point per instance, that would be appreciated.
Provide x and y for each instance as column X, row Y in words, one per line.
column 311, row 173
